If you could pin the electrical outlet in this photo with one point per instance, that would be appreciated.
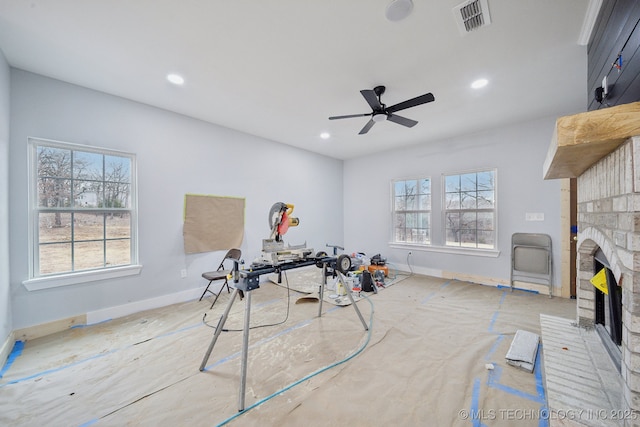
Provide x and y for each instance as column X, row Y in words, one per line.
column 183, row 273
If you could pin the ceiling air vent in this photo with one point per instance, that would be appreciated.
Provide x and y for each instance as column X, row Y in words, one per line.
column 471, row 15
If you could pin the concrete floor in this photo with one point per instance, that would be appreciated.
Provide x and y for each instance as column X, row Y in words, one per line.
column 423, row 361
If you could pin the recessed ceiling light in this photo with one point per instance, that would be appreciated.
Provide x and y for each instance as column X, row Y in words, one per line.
column 397, row 10
column 325, row 135
column 176, row 79
column 480, row 83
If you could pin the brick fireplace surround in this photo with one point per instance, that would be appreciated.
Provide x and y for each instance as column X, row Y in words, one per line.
column 609, row 220
column 601, row 149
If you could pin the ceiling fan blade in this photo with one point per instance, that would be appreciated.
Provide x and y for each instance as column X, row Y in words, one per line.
column 418, row 100
column 366, row 127
column 372, row 99
column 401, row 120
column 349, row 116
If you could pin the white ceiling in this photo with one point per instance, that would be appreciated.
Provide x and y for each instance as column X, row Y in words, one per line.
column 278, row 69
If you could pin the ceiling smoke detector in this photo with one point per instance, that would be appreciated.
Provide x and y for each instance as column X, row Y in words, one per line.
column 471, row 15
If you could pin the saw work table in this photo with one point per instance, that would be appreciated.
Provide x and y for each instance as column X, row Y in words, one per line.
column 246, row 281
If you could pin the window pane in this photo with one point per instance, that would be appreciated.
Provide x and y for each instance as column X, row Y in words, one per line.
column 400, row 204
column 118, row 252
column 117, row 169
column 468, row 220
column 411, row 188
column 485, row 200
column 468, row 238
column 118, row 225
column 486, row 180
column 400, row 220
column 55, row 258
column 54, row 227
column 412, row 220
column 452, row 220
column 116, row 195
column 400, row 235
column 54, row 162
column 87, row 194
column 485, row 221
column 452, row 201
column 54, row 193
column 452, row 237
column 88, row 255
column 468, row 182
column 424, row 203
column 468, row 200
column 423, row 220
column 398, row 188
column 426, row 237
column 88, row 226
column 486, row 239
column 412, row 202
column 87, row 165
column 425, row 186
column 452, row 183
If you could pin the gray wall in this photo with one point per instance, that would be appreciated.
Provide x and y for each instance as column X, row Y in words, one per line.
column 176, row 155
column 517, row 151
column 5, row 292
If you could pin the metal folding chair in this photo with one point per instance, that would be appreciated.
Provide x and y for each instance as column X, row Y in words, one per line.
column 221, row 273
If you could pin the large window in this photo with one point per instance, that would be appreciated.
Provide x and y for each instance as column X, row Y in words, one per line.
column 412, row 211
column 470, row 209
column 83, row 214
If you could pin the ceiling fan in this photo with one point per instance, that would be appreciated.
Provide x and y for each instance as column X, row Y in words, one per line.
column 381, row 112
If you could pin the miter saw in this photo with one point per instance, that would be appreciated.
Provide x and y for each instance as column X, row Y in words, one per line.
column 274, row 251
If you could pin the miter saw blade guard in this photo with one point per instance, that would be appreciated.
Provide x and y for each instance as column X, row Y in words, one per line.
column 274, row 250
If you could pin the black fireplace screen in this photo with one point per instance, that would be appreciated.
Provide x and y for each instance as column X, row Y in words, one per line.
column 608, row 305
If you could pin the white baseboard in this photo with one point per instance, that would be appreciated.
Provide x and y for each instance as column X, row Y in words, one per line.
column 6, row 349
column 97, row 316
column 419, row 270
column 109, row 313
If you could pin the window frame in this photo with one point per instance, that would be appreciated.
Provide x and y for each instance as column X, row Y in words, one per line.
column 493, row 210
column 37, row 281
column 428, row 212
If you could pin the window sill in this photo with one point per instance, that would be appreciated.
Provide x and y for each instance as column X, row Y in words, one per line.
column 59, row 280
column 488, row 253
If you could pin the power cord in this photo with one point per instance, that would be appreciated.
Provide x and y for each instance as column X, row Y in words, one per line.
column 409, row 263
column 257, row 326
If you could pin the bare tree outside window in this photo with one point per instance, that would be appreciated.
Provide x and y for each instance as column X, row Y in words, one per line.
column 83, row 199
column 412, row 211
column 469, row 201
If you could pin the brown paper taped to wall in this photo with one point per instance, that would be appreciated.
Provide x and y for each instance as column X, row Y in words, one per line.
column 212, row 223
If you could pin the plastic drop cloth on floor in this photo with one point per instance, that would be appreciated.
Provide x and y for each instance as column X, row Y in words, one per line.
column 423, row 362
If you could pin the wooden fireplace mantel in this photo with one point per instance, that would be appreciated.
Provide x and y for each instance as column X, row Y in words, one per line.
column 582, row 139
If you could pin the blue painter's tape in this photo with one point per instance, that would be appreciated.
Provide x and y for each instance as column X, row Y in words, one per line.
column 494, row 381
column 542, row 394
column 15, row 353
column 88, row 423
column 494, row 347
column 91, row 324
column 531, row 291
column 427, row 298
column 493, row 320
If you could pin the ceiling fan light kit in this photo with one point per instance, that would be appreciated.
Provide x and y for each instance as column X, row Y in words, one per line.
column 380, row 112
